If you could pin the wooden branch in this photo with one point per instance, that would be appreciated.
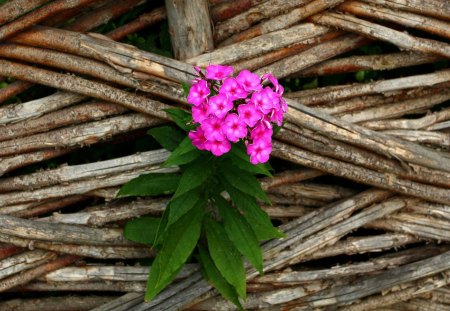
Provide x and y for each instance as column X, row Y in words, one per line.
column 289, row 177
column 33, row 273
column 24, row 261
column 83, row 134
column 122, row 303
column 65, row 117
column 35, row 108
column 34, row 210
column 99, row 286
column 142, row 21
column 372, row 30
column 8, row 250
column 319, row 192
column 85, row 87
column 63, row 175
column 282, row 21
column 314, row 55
column 13, row 89
column 38, row 15
column 354, row 63
column 436, row 8
column 91, row 251
column 243, row 21
column 189, row 26
column 68, row 302
column 423, row 23
column 10, row 10
column 428, row 208
column 257, row 46
column 441, row 140
column 229, row 9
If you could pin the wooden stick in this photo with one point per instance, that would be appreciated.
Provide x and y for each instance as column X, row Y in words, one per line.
column 367, row 62
column 99, row 286
column 434, row 8
column 289, row 177
column 441, row 140
column 10, row 10
column 13, row 89
column 68, row 302
column 47, row 207
column 314, row 55
column 229, row 9
column 243, row 21
column 38, row 15
column 423, row 23
column 24, row 261
column 282, row 21
column 401, row 39
column 189, row 25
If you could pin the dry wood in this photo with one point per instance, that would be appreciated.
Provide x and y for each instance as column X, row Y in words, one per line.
column 228, row 9
column 243, row 21
column 367, row 62
column 319, row 192
column 142, row 21
column 63, row 303
column 92, row 251
column 433, row 209
column 372, row 30
column 437, row 139
column 33, row 210
column 423, row 23
column 418, row 304
column 33, row 273
column 289, row 177
column 122, row 303
column 83, row 134
column 24, row 261
column 257, row 46
column 8, row 250
column 85, row 87
column 65, row 117
column 436, row 8
column 282, row 21
column 12, row 9
column 314, row 55
column 13, row 89
column 66, row 174
column 189, row 26
column 99, row 286
column 38, row 15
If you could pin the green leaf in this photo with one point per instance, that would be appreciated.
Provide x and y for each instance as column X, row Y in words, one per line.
column 183, row 204
column 185, row 153
column 255, row 216
column 195, row 175
column 186, row 88
column 213, row 276
column 243, row 181
column 142, row 230
column 225, row 256
column 167, row 136
column 151, row 184
column 178, row 245
column 241, row 159
column 181, row 117
column 240, row 233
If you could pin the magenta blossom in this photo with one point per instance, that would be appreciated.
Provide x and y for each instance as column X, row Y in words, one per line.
column 212, row 127
column 261, row 132
column 234, row 128
column 249, row 114
column 217, row 147
column 200, row 112
column 218, row 72
column 198, row 138
column 219, row 105
column 259, row 151
column 249, row 81
column 232, row 89
column 198, row 93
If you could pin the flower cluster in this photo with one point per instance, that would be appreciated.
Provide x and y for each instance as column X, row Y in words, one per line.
column 229, row 109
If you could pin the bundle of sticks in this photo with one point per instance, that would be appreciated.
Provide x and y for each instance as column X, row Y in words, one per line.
column 366, row 209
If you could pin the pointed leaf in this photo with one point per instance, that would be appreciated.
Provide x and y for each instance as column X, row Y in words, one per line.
column 186, row 88
column 225, row 256
column 195, row 175
column 213, row 276
column 183, row 204
column 142, row 230
column 243, row 181
column 178, row 245
column 241, row 159
column 151, row 184
column 183, row 154
column 240, row 233
column 181, row 117
column 255, row 216
column 167, row 136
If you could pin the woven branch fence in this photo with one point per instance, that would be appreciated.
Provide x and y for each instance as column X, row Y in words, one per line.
column 366, row 209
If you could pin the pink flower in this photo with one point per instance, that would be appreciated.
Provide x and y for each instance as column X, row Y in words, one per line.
column 212, row 127
column 261, row 132
column 219, row 105
column 198, row 93
column 218, row 72
column 234, row 128
column 232, row 89
column 278, row 88
column 259, row 151
column 276, row 116
column 217, row 147
column 198, row 138
column 249, row 114
column 249, row 81
column 200, row 112
column 265, row 100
